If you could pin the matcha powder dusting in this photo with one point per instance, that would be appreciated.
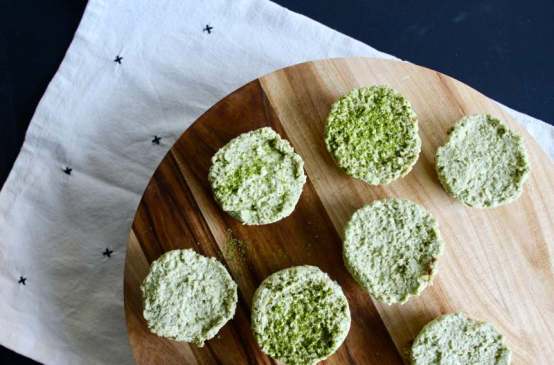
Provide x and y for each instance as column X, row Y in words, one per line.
column 455, row 339
column 372, row 133
column 484, row 163
column 257, row 177
column 188, row 297
column 391, row 248
column 235, row 249
column 300, row 316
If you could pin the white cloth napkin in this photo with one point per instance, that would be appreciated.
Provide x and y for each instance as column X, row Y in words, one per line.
column 137, row 73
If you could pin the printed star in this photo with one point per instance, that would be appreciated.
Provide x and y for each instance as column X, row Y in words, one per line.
column 107, row 252
column 208, row 29
column 22, row 280
column 67, row 170
column 118, row 59
column 156, row 140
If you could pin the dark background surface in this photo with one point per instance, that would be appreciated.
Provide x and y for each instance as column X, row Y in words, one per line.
column 504, row 49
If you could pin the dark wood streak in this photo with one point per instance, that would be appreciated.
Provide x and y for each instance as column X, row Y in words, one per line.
column 212, row 353
column 349, row 354
column 193, row 218
column 156, row 241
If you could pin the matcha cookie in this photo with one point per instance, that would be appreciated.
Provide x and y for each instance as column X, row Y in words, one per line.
column 391, row 248
column 300, row 316
column 188, row 297
column 484, row 163
column 257, row 177
column 455, row 339
column 372, row 134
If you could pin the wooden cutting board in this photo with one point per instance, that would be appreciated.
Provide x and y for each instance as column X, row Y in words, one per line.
column 497, row 266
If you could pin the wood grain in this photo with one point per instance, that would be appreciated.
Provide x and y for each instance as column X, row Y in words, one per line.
column 497, row 266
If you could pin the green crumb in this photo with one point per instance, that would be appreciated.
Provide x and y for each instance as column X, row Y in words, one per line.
column 455, row 339
column 257, row 177
column 391, row 248
column 484, row 163
column 188, row 297
column 234, row 248
column 372, row 133
column 300, row 316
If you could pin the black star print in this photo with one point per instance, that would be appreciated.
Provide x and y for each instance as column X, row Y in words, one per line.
column 156, row 140
column 118, row 59
column 208, row 28
column 67, row 170
column 22, row 280
column 107, row 252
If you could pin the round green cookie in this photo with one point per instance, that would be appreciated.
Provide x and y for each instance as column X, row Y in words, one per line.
column 188, row 297
column 300, row 316
column 455, row 339
column 391, row 248
column 372, row 134
column 484, row 163
column 257, row 177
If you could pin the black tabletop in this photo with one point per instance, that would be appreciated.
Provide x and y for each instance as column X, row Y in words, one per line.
column 504, row 49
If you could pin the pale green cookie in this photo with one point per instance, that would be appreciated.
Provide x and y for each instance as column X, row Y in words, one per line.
column 257, row 177
column 300, row 316
column 484, row 163
column 455, row 339
column 372, row 134
column 188, row 297
column 391, row 248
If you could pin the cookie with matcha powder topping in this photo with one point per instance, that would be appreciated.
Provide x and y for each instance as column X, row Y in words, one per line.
column 372, row 134
column 188, row 297
column 455, row 339
column 483, row 163
column 300, row 316
column 391, row 248
column 257, row 177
